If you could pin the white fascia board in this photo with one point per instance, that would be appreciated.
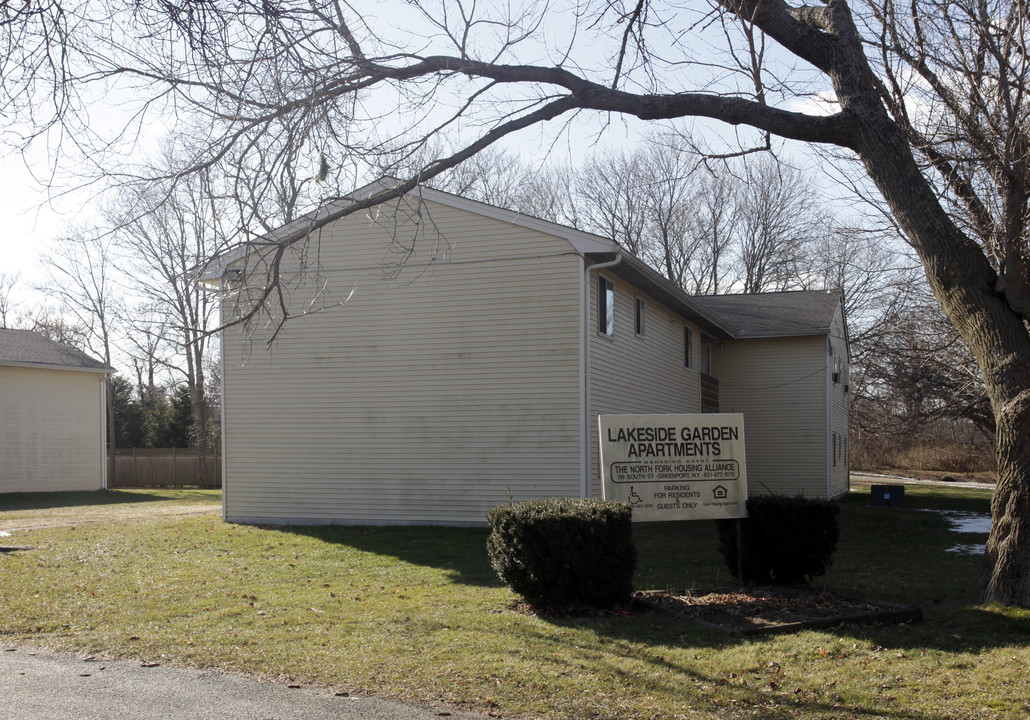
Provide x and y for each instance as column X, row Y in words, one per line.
column 48, row 366
column 844, row 323
column 765, row 334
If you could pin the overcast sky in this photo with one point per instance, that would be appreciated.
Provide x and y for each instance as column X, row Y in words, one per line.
column 26, row 225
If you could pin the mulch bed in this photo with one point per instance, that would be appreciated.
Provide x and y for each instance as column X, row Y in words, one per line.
column 772, row 610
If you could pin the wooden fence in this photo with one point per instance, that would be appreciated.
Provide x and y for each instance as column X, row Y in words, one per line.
column 165, row 467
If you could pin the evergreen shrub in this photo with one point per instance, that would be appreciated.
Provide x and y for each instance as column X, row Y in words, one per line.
column 564, row 552
column 786, row 540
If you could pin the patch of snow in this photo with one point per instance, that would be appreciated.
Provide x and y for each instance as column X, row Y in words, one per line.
column 964, row 521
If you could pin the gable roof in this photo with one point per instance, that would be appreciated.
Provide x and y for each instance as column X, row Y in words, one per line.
column 25, row 348
column 799, row 312
column 583, row 242
column 722, row 317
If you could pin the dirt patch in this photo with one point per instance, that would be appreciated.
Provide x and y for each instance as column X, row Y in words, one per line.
column 772, row 610
column 81, row 515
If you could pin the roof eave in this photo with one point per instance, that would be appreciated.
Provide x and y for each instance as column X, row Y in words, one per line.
column 103, row 370
column 641, row 275
column 757, row 335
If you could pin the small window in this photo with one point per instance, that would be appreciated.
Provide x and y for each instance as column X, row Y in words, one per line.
column 605, row 306
column 640, row 317
column 688, row 347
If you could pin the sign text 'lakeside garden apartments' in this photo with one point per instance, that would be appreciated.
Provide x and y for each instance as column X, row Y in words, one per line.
column 675, row 467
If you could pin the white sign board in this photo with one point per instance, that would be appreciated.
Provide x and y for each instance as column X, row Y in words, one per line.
column 675, row 467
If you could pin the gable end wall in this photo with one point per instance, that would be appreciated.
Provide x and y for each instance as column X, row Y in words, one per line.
column 780, row 386
column 51, row 430
column 428, row 397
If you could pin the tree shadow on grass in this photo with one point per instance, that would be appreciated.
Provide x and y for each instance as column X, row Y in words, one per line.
column 77, row 498
column 459, row 551
column 762, row 688
column 951, row 628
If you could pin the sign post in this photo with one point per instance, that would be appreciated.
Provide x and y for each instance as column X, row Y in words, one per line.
column 675, row 467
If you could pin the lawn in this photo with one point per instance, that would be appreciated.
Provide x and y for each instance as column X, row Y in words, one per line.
column 417, row 613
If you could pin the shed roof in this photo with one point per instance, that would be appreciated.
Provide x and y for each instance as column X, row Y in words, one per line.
column 25, row 348
column 800, row 312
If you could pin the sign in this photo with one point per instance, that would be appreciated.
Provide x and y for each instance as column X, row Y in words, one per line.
column 675, row 467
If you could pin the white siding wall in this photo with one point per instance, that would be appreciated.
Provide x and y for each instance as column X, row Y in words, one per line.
column 51, row 431
column 427, row 398
column 780, row 387
column 840, row 413
column 631, row 374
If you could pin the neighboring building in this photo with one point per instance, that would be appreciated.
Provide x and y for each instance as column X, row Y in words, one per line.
column 52, row 416
column 449, row 366
column 787, row 371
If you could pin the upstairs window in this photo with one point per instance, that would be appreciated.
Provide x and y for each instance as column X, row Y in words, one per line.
column 639, row 327
column 688, row 347
column 605, row 306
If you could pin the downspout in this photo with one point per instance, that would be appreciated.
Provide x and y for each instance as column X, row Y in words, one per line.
column 104, row 462
column 221, row 410
column 586, row 430
column 830, row 445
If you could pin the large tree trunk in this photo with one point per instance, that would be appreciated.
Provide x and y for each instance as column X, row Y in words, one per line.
column 965, row 284
column 1006, row 576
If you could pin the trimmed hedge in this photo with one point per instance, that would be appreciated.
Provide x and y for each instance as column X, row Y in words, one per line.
column 787, row 540
column 564, row 552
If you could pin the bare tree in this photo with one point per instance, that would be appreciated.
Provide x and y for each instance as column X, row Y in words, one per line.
column 165, row 234
column 775, row 224
column 667, row 185
column 612, row 195
column 51, row 324
column 502, row 178
column 712, row 233
column 919, row 377
column 652, row 201
column 7, row 304
column 935, row 114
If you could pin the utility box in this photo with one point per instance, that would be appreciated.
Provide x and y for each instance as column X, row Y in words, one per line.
column 888, row 496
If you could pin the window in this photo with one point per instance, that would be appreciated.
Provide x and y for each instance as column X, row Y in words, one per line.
column 688, row 347
column 639, row 328
column 605, row 306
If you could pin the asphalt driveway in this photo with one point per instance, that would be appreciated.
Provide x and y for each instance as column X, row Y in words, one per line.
column 62, row 686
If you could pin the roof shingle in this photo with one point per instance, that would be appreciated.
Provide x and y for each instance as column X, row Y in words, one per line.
column 802, row 312
column 25, row 347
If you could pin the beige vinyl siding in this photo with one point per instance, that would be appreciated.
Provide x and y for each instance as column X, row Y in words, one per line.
column 779, row 384
column 428, row 397
column 630, row 374
column 51, row 430
column 840, row 411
